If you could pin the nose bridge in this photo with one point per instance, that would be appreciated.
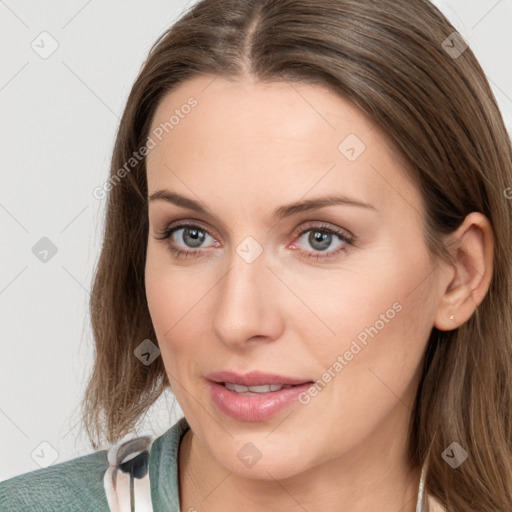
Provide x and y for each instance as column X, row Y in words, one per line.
column 244, row 306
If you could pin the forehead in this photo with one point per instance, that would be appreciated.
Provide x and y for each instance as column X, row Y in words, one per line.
column 277, row 140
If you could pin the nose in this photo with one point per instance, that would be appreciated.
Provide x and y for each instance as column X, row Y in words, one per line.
column 246, row 307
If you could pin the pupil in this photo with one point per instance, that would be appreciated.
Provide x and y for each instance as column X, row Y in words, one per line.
column 319, row 240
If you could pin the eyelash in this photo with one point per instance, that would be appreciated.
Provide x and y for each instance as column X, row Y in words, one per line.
column 347, row 240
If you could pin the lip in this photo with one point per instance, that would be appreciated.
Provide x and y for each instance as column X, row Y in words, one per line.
column 254, row 378
column 257, row 407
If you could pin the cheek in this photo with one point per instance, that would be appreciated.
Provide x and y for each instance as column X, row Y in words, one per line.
column 176, row 298
column 362, row 299
column 168, row 291
column 382, row 319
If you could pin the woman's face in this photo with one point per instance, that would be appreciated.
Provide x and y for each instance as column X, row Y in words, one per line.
column 342, row 295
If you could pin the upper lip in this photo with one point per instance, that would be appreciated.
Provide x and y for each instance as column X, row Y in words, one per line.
column 254, row 378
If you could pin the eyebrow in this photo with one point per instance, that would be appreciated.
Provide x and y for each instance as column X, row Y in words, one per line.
column 278, row 214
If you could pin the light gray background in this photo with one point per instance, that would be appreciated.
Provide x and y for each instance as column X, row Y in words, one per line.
column 59, row 118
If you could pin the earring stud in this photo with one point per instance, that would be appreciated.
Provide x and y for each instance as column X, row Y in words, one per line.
column 451, row 317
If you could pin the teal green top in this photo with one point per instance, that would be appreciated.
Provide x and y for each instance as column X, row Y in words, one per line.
column 77, row 485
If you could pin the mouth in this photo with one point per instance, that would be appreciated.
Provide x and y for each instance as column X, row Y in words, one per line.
column 254, row 396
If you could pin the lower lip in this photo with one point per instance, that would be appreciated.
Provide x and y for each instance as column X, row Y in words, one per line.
column 254, row 407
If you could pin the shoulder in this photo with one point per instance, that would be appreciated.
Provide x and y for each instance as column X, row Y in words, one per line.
column 76, row 484
column 100, row 481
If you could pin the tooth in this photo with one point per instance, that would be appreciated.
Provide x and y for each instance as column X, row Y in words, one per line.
column 236, row 387
column 265, row 388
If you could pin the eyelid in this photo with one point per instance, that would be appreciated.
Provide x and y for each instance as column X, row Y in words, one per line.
column 299, row 231
column 184, row 223
column 346, row 237
column 327, row 226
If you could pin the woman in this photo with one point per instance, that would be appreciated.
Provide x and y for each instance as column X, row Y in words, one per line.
column 307, row 241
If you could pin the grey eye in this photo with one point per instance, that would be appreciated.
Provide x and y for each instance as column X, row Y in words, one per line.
column 320, row 240
column 192, row 236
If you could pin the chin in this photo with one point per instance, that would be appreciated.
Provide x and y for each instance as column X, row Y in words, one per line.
column 259, row 459
column 269, row 470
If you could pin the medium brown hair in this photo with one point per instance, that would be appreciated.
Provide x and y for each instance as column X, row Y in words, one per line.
column 390, row 58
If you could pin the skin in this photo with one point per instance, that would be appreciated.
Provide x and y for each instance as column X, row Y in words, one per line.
column 244, row 150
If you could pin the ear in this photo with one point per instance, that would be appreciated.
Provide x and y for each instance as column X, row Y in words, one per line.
column 468, row 281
